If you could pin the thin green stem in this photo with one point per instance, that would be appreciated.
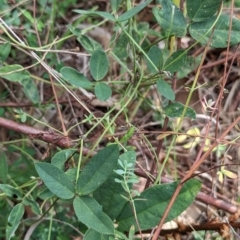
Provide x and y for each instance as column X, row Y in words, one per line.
column 79, row 160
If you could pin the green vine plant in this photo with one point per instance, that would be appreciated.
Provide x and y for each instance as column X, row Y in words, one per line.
column 100, row 185
column 126, row 172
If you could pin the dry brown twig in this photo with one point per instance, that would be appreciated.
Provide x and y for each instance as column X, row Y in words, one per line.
column 46, row 136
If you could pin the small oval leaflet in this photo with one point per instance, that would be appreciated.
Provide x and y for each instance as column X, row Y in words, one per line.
column 175, row 109
column 75, row 78
column 99, row 64
column 102, row 91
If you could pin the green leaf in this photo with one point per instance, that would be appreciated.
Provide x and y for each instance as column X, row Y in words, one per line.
column 151, row 204
column 75, row 31
column 201, row 31
column 120, row 48
column 92, row 234
column 115, row 4
column 170, row 18
column 131, row 233
column 190, row 64
column 3, row 167
column 122, row 236
column 72, row 173
column 109, row 196
column 90, row 213
column 45, row 194
column 133, row 11
column 27, row 201
column 14, row 73
column 40, row 25
column 175, row 109
column 102, row 91
column 165, row 89
column 2, row 111
column 10, row 191
column 60, row 158
column 99, row 64
column 97, row 171
column 89, row 44
column 5, row 50
column 156, row 56
column 129, row 157
column 127, row 135
column 175, row 61
column 105, row 15
column 200, row 10
column 30, row 90
column 55, row 180
column 75, row 78
column 14, row 219
column 86, row 43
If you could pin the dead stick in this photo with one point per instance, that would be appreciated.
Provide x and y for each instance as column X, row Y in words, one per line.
column 46, row 136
